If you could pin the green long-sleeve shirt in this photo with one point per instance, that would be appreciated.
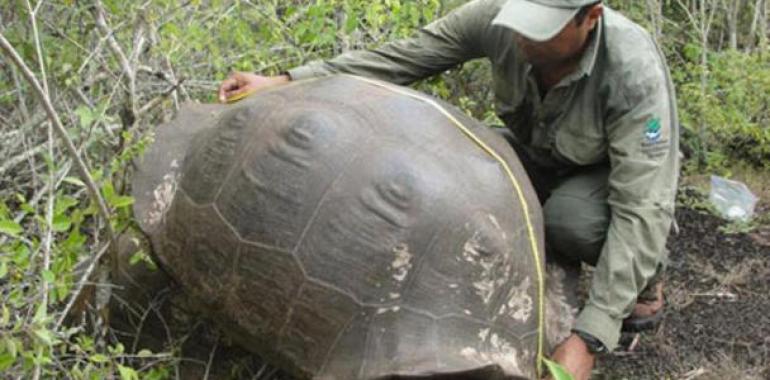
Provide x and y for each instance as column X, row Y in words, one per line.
column 618, row 107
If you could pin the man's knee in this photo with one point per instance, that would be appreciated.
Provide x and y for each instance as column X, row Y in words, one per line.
column 577, row 218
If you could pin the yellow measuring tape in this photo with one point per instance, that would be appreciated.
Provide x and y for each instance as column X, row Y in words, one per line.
column 518, row 192
column 239, row 96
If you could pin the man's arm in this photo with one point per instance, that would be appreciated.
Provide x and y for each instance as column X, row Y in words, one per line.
column 643, row 151
column 447, row 42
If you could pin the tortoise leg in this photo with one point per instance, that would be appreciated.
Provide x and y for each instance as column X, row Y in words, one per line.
column 562, row 299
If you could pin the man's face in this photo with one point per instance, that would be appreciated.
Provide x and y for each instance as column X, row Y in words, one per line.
column 564, row 46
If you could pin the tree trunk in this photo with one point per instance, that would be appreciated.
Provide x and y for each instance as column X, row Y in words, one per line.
column 753, row 28
column 704, row 35
column 733, row 12
column 763, row 27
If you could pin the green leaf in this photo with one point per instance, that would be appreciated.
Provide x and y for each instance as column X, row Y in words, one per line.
column 62, row 291
column 74, row 241
column 144, row 353
column 20, row 255
column 6, row 361
column 71, row 331
column 10, row 227
column 127, row 373
column 99, row 358
column 61, row 223
column 118, row 349
column 64, row 203
column 558, row 372
column 3, row 269
column 48, row 276
column 44, row 336
column 351, row 23
column 137, row 257
column 74, row 181
column 121, row 201
column 86, row 116
column 26, row 207
column 12, row 347
column 6, row 316
column 41, row 313
column 108, row 191
column 20, row 198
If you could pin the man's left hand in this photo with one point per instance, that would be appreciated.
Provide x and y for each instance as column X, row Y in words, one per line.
column 573, row 354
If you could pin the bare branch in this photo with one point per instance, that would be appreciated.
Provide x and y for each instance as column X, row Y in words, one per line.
column 763, row 32
column 23, row 156
column 81, row 285
column 158, row 99
column 101, row 23
column 53, row 116
column 48, row 237
column 211, row 358
column 20, row 91
column 38, row 49
column 125, row 63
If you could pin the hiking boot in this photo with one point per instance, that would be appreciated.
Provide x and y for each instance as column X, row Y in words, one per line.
column 648, row 311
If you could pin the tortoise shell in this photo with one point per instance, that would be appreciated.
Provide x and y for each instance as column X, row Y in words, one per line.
column 342, row 228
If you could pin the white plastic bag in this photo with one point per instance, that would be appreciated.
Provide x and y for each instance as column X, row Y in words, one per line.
column 732, row 199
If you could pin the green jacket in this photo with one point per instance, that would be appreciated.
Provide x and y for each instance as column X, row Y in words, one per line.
column 618, row 107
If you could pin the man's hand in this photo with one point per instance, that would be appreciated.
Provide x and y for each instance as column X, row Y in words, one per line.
column 573, row 354
column 243, row 83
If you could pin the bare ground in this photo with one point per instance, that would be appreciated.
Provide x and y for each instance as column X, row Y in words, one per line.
column 717, row 322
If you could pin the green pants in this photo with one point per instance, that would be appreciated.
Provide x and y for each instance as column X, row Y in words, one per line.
column 577, row 215
column 575, row 208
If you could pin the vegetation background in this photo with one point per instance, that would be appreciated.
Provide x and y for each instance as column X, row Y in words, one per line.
column 83, row 84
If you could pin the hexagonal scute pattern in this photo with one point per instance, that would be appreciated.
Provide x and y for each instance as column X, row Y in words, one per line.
column 348, row 230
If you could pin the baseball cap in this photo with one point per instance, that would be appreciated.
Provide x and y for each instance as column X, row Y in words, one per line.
column 538, row 20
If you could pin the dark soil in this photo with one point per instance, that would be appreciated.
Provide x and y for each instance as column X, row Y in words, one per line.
column 717, row 322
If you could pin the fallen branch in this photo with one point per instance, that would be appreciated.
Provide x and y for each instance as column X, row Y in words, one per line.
column 718, row 295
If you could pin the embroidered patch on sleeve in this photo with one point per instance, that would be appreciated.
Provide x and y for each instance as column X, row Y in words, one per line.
column 652, row 130
column 654, row 139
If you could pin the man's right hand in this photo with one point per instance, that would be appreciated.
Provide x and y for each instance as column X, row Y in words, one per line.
column 574, row 356
column 244, row 83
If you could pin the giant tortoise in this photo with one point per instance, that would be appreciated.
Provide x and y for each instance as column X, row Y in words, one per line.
column 345, row 228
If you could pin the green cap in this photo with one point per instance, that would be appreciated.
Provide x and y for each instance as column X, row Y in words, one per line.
column 538, row 20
